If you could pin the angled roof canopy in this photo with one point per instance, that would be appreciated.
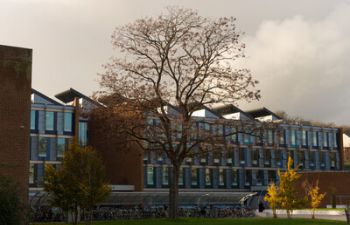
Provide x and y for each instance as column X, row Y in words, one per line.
column 69, row 95
column 262, row 112
column 41, row 95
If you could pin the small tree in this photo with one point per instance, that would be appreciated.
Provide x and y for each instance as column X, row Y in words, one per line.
column 288, row 195
column 10, row 205
column 80, row 183
column 272, row 198
column 315, row 197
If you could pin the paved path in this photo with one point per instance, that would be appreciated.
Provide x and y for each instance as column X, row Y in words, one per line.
column 328, row 217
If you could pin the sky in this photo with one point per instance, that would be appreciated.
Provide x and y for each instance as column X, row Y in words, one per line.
column 298, row 50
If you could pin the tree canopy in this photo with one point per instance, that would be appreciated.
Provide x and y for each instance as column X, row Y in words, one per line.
column 177, row 61
column 79, row 183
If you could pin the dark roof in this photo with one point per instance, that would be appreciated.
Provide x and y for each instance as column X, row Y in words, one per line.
column 69, row 95
column 261, row 112
column 45, row 97
column 229, row 109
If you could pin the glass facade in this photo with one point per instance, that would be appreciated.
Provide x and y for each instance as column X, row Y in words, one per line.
column 150, row 175
column 234, row 166
column 61, row 147
column 68, row 122
column 50, row 121
column 83, row 133
column 194, row 177
column 165, row 176
column 208, row 177
column 51, row 132
column 42, row 147
column 33, row 120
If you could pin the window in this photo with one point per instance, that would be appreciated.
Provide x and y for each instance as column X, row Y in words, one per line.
column 325, row 139
column 194, row 176
column 267, row 157
column 230, row 156
column 220, row 130
column 83, row 133
column 208, row 176
column 165, row 175
column 322, row 159
column 259, row 177
column 304, row 138
column 242, row 155
column 248, row 177
column 42, row 146
column 233, row 135
column 335, row 140
column 31, row 173
column 234, row 178
column 181, row 176
column 50, row 121
column 282, row 137
column 312, row 159
column 33, row 121
column 293, row 138
column 255, row 157
column 61, row 147
column 315, row 138
column 222, row 177
column 247, row 139
column 278, row 158
column 207, row 126
column 270, row 137
column 150, row 175
column 301, row 158
column 68, row 122
column 271, row 176
column 332, row 159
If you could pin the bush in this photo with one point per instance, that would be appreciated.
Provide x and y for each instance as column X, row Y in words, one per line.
column 10, row 204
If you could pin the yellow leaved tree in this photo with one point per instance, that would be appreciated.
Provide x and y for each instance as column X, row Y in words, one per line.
column 272, row 198
column 288, row 196
column 315, row 197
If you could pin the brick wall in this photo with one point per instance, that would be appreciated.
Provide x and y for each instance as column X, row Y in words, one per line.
column 123, row 160
column 15, row 80
column 335, row 184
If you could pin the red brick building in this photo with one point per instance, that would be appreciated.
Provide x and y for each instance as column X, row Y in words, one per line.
column 15, row 80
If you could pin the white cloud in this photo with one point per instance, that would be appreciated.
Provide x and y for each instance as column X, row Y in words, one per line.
column 304, row 65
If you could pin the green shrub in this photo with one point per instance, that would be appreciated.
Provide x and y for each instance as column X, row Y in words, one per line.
column 10, row 205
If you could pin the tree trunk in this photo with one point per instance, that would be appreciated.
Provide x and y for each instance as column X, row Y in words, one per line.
column 313, row 214
column 76, row 214
column 174, row 192
column 288, row 214
column 274, row 213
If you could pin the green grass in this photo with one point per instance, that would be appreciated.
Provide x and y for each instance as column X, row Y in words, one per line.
column 254, row 221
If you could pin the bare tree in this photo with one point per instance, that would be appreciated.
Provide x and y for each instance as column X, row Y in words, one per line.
column 168, row 68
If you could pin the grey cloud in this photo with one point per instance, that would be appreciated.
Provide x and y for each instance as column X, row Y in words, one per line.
column 303, row 65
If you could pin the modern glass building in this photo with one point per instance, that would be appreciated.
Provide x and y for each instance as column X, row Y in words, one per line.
column 244, row 161
column 53, row 126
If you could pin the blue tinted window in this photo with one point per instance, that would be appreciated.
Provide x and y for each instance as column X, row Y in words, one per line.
column 61, row 146
column 83, row 136
column 68, row 121
column 33, row 120
column 50, row 121
column 42, row 146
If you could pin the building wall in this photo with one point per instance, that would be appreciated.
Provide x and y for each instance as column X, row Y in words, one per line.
column 334, row 184
column 245, row 163
column 15, row 80
column 47, row 146
column 123, row 161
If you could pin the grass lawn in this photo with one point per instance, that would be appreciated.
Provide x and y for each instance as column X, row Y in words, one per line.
column 250, row 221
